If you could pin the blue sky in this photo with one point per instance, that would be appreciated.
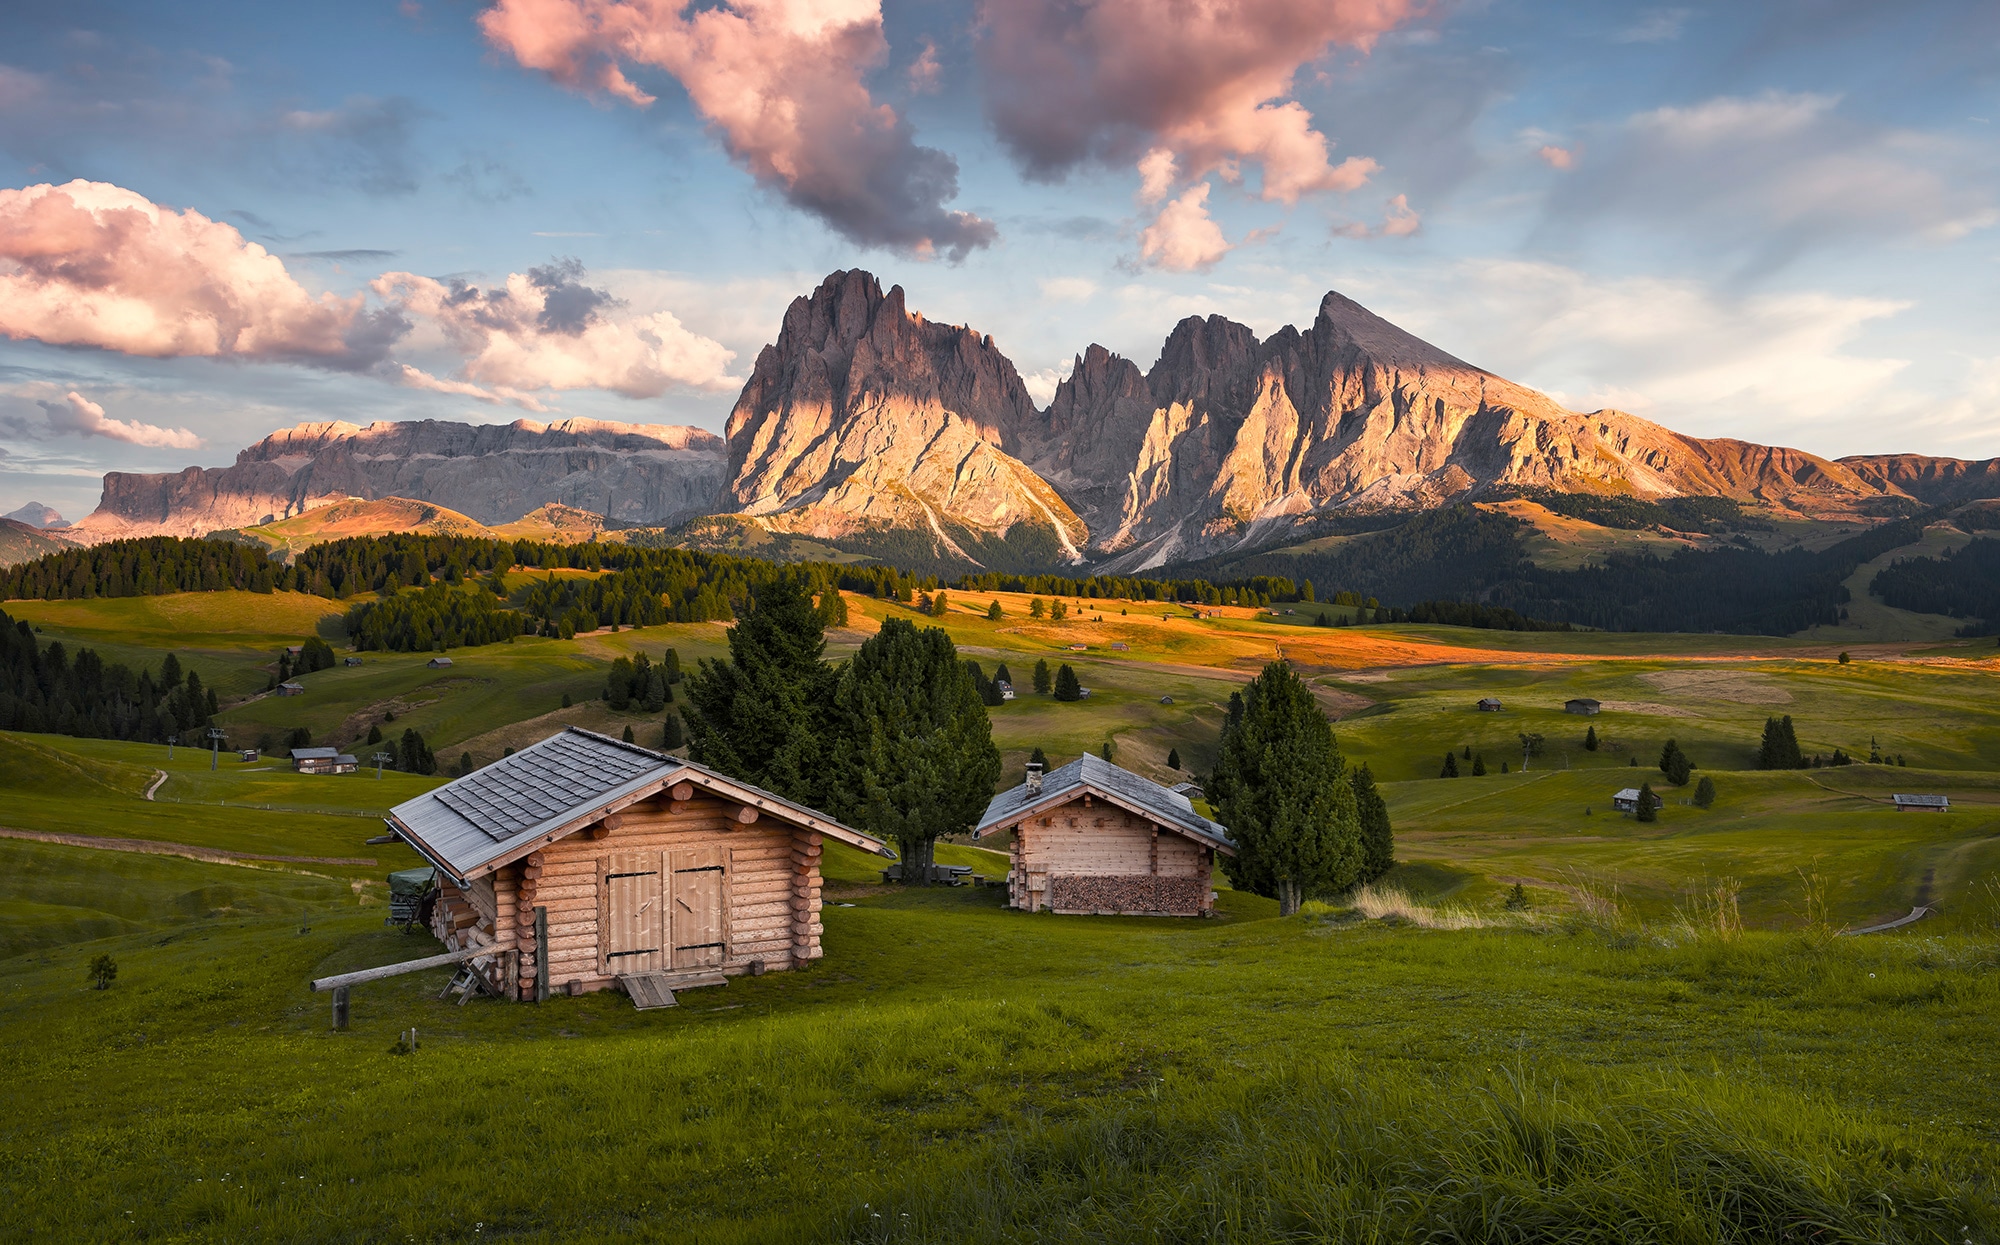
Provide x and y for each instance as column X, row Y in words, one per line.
column 1775, row 221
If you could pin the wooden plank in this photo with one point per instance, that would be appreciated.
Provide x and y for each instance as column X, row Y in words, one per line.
column 648, row 990
column 340, row 980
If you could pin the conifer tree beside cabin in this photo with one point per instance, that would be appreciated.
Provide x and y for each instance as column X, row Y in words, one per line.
column 912, row 755
column 647, row 867
column 1280, row 786
column 1092, row 838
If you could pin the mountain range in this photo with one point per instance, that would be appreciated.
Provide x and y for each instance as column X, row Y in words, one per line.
column 867, row 427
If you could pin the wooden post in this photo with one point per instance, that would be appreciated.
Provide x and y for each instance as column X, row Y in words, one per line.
column 340, row 1007
column 541, row 955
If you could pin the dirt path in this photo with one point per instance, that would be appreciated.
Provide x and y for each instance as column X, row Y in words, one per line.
column 159, row 777
column 208, row 855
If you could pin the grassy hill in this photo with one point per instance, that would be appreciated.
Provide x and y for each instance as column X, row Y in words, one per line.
column 1618, row 1061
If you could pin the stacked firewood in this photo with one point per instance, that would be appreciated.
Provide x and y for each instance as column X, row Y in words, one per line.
column 1131, row 893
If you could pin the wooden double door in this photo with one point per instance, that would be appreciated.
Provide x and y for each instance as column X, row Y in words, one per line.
column 665, row 911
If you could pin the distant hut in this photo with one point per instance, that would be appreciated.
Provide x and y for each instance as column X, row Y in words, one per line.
column 438, row 663
column 1006, row 689
column 1627, row 801
column 1489, row 704
column 248, row 755
column 1092, row 838
column 351, row 661
column 1188, row 790
column 321, row 761
column 654, row 873
column 1922, row 803
column 1583, row 705
column 291, row 687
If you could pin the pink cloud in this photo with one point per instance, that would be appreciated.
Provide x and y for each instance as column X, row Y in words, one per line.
column 783, row 83
column 546, row 330
column 78, row 414
column 91, row 264
column 1184, row 238
column 926, row 75
column 1207, row 82
column 1558, row 157
column 1399, row 220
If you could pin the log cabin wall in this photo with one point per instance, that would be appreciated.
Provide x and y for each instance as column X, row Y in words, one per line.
column 771, row 900
column 1090, row 856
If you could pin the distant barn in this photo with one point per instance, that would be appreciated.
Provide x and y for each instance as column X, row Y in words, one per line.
column 651, row 872
column 291, row 687
column 1092, row 838
column 1922, row 803
column 351, row 661
column 438, row 663
column 1583, row 705
column 1489, row 705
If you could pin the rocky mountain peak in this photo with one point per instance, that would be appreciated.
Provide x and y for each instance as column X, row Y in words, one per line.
column 864, row 414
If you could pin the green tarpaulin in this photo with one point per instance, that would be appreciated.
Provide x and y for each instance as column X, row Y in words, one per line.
column 410, row 883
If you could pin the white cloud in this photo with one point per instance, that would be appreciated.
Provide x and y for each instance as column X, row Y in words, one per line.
column 78, row 415
column 1067, row 289
column 1769, row 177
column 1773, row 366
column 1041, row 383
column 1655, row 26
column 1183, row 238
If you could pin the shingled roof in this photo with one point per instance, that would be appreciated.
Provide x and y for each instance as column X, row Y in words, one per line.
column 1092, row 773
column 499, row 813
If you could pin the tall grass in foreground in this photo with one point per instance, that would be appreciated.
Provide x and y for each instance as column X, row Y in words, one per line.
column 1386, row 1154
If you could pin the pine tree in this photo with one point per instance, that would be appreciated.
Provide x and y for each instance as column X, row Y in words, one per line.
column 1174, row 759
column 628, row 736
column 1278, row 786
column 914, row 755
column 672, row 664
column 1590, row 739
column 1040, row 758
column 939, row 605
column 1378, row 839
column 1648, row 809
column 674, row 735
column 1450, row 766
column 1479, row 766
column 413, row 755
column 1036, row 609
column 1067, row 688
column 1043, row 679
column 1704, row 792
column 1001, row 675
column 1108, row 751
column 1468, row 752
column 374, row 735
column 1675, row 764
column 1780, row 746
column 993, row 611
column 1058, row 610
column 761, row 715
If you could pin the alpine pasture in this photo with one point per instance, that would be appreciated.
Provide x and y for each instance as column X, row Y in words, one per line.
column 1662, row 1034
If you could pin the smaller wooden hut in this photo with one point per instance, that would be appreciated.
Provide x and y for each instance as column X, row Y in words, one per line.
column 647, row 871
column 1489, row 704
column 1094, row 839
column 1583, row 705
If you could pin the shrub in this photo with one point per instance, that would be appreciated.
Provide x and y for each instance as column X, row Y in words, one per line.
column 103, row 971
column 1704, row 792
column 1067, row 688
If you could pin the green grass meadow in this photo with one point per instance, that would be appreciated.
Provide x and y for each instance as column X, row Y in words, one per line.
column 1672, row 1042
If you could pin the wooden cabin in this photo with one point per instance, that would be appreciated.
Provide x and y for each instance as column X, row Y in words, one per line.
column 1489, row 704
column 319, row 761
column 1922, row 803
column 1583, row 705
column 1094, row 839
column 1627, row 801
column 649, row 872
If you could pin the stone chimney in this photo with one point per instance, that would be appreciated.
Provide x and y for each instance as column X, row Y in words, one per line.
column 1034, row 778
